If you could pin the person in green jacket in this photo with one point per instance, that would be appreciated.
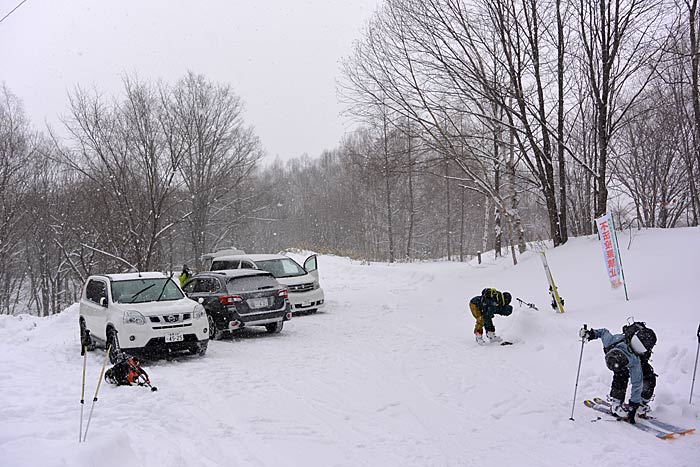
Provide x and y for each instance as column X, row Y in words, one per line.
column 185, row 274
column 484, row 307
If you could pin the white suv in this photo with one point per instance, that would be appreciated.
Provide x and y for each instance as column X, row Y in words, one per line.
column 305, row 292
column 141, row 313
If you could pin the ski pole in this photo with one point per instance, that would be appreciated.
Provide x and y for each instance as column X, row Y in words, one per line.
column 697, row 352
column 578, row 372
column 530, row 305
column 143, row 379
column 99, row 381
column 82, row 394
column 153, row 388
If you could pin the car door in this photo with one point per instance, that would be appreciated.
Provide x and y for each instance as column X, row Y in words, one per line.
column 311, row 266
column 93, row 307
column 189, row 287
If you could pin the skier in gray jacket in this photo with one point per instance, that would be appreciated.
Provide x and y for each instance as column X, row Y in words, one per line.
column 627, row 356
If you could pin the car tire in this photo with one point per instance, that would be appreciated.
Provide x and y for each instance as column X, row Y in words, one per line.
column 85, row 338
column 200, row 349
column 113, row 345
column 274, row 328
column 214, row 333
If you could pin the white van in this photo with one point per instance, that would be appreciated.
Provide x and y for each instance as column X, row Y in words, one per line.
column 305, row 292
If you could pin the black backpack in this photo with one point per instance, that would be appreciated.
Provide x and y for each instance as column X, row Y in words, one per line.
column 127, row 371
column 499, row 298
column 646, row 335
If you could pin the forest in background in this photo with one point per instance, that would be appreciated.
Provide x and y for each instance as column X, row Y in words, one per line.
column 482, row 125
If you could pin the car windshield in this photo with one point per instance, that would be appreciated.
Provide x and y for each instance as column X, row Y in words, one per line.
column 145, row 290
column 285, row 267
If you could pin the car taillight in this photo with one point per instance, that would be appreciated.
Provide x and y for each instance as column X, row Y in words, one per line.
column 283, row 293
column 230, row 300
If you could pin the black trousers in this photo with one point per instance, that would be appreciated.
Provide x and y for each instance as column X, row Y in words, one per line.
column 621, row 378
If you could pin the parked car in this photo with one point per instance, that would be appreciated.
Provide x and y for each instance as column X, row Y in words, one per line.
column 142, row 312
column 305, row 292
column 240, row 298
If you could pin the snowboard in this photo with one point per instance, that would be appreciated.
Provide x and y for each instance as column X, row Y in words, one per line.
column 487, row 344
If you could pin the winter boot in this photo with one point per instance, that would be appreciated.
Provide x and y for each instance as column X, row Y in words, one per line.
column 616, row 407
column 644, row 408
column 493, row 337
column 479, row 338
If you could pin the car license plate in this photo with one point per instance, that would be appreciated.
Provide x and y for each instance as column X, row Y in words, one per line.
column 256, row 303
column 174, row 337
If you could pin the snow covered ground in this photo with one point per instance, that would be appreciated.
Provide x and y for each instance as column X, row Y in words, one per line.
column 389, row 375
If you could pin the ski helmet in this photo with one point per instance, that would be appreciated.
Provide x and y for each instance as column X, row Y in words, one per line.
column 616, row 359
column 643, row 341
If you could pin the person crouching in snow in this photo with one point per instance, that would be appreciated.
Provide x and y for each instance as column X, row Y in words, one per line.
column 484, row 307
column 627, row 356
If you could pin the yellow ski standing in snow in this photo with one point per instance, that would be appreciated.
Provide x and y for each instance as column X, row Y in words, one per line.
column 552, row 286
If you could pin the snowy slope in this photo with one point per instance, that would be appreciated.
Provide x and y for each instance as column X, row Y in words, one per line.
column 389, row 375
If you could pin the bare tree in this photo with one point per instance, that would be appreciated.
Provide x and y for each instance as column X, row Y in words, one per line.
column 17, row 148
column 687, row 45
column 218, row 152
column 121, row 148
column 621, row 43
column 52, row 282
column 652, row 171
column 412, row 62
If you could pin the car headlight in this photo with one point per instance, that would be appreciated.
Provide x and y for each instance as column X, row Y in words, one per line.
column 316, row 285
column 198, row 312
column 134, row 317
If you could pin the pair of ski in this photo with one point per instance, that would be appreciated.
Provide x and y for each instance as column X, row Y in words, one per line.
column 557, row 301
column 661, row 430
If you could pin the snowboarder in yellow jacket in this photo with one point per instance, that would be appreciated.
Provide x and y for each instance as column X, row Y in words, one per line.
column 484, row 307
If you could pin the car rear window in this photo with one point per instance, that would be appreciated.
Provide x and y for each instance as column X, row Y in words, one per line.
column 251, row 283
column 222, row 264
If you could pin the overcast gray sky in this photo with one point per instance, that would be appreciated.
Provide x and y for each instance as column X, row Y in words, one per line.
column 281, row 56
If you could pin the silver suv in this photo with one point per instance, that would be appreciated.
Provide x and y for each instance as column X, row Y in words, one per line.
column 305, row 292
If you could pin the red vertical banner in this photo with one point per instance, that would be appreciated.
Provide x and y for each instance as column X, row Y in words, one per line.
column 611, row 255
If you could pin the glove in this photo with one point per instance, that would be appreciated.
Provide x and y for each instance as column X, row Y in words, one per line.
column 586, row 334
column 632, row 406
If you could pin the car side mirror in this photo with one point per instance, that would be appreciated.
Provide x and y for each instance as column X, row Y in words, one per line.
column 103, row 302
